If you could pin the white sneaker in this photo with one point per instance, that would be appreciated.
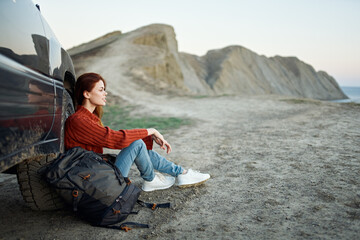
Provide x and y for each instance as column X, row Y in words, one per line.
column 191, row 178
column 159, row 182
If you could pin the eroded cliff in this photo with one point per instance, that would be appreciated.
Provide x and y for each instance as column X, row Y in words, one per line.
column 150, row 55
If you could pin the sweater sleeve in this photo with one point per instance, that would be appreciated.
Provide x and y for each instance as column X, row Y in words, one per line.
column 89, row 132
column 149, row 142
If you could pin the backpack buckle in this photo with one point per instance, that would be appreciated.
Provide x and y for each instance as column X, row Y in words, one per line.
column 125, row 228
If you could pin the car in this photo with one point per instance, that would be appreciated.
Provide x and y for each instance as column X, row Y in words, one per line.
column 37, row 80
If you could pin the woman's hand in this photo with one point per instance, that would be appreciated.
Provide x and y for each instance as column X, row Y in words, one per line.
column 163, row 144
column 159, row 139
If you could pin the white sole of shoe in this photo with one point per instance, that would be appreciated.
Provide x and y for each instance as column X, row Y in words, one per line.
column 192, row 184
column 151, row 190
column 156, row 189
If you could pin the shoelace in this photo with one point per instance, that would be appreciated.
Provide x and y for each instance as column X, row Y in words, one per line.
column 161, row 177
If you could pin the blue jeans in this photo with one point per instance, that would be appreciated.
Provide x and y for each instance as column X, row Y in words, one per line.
column 145, row 160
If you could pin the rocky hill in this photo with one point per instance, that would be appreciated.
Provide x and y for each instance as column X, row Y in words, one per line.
column 149, row 56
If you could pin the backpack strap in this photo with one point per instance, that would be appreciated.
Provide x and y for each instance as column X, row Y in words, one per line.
column 154, row 206
column 127, row 226
column 75, row 194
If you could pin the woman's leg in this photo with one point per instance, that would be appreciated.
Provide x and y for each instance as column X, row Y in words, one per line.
column 145, row 160
column 135, row 152
column 148, row 160
column 163, row 165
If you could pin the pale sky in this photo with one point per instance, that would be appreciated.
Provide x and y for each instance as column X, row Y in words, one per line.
column 322, row 33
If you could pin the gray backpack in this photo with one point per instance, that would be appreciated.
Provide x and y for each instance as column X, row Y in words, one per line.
column 95, row 188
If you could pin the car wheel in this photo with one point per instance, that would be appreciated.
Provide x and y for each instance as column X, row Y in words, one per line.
column 37, row 193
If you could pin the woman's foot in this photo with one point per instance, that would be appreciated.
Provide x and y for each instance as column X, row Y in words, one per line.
column 159, row 182
column 191, row 178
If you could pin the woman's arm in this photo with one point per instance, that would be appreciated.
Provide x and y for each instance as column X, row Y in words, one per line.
column 88, row 132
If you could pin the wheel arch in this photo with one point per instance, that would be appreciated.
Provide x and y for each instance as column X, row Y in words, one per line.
column 69, row 83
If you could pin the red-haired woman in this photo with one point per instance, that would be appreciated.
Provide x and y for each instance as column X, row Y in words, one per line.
column 85, row 129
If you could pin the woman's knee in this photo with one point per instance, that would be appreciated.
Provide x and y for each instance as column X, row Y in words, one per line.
column 138, row 143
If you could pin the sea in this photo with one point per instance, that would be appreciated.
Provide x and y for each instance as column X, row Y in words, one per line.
column 353, row 93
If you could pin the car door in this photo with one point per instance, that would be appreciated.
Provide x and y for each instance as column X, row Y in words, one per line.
column 26, row 92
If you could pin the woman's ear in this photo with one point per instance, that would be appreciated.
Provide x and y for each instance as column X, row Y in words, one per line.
column 86, row 94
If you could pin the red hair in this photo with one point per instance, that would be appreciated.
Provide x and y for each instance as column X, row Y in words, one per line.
column 86, row 82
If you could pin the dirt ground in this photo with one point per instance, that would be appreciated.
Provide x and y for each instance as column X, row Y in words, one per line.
column 280, row 168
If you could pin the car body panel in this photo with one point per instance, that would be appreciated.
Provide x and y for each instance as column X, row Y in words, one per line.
column 33, row 71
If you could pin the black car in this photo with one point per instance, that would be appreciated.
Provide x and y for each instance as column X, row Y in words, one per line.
column 37, row 80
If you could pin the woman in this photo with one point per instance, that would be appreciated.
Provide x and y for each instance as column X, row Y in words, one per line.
column 85, row 129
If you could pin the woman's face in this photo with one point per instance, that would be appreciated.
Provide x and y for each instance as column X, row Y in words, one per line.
column 97, row 96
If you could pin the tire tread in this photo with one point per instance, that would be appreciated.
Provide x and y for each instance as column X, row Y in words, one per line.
column 37, row 193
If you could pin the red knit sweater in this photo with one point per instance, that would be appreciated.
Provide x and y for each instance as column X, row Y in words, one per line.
column 82, row 129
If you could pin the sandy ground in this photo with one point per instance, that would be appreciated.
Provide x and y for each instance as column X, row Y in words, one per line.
column 281, row 169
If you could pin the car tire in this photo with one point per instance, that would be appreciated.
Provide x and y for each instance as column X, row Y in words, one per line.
column 36, row 192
